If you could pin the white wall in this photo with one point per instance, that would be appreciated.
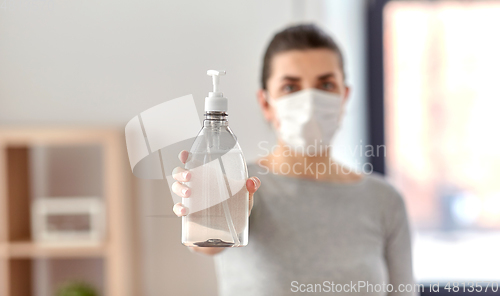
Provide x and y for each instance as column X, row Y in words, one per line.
column 102, row 62
column 89, row 62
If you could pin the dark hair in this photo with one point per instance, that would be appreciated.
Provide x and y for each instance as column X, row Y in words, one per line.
column 298, row 37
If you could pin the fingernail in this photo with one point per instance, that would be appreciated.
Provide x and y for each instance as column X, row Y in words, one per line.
column 185, row 175
column 254, row 182
column 184, row 191
column 182, row 211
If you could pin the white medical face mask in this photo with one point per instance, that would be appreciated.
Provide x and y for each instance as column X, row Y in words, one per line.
column 309, row 117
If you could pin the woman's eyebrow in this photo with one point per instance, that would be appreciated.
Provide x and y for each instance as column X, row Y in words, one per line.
column 326, row 76
column 292, row 78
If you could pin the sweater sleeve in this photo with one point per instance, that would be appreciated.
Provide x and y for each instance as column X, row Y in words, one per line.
column 398, row 249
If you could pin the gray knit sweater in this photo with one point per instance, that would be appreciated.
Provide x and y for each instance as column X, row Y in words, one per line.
column 313, row 238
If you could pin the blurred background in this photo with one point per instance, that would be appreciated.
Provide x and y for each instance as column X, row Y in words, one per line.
column 73, row 73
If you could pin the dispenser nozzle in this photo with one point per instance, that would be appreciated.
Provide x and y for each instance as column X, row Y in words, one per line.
column 215, row 100
column 215, row 78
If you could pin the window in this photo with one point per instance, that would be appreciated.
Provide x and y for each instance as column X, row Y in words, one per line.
column 441, row 104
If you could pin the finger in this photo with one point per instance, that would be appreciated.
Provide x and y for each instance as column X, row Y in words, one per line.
column 181, row 175
column 252, row 184
column 250, row 204
column 181, row 190
column 183, row 156
column 180, row 210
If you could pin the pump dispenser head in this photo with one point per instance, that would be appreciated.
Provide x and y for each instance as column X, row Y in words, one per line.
column 215, row 100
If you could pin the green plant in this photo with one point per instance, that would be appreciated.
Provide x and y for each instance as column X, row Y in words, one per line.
column 76, row 289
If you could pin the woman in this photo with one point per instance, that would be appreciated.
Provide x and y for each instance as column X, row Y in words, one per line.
column 315, row 226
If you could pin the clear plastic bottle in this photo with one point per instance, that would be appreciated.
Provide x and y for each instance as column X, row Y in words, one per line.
column 218, row 204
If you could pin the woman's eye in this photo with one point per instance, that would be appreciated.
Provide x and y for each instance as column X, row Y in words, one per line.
column 327, row 86
column 289, row 88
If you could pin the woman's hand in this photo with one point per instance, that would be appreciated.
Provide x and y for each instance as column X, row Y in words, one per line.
column 183, row 175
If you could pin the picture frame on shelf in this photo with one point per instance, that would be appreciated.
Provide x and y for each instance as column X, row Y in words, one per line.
column 68, row 220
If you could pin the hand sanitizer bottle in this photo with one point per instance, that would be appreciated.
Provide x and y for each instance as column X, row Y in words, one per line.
column 218, row 204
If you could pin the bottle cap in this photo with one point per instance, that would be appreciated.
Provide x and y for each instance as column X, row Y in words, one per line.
column 215, row 100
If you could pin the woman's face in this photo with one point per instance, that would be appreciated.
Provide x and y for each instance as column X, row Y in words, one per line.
column 296, row 70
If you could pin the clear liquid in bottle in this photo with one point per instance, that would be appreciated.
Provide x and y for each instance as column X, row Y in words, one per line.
column 218, row 205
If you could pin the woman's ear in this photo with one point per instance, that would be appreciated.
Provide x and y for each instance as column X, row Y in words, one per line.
column 266, row 108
